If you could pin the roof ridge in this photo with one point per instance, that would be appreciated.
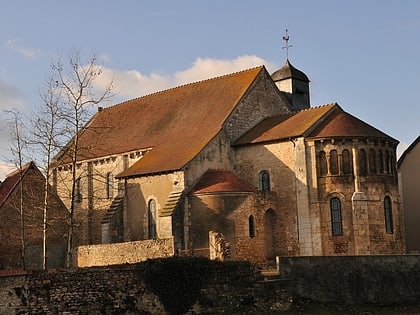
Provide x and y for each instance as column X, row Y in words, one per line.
column 317, row 107
column 184, row 85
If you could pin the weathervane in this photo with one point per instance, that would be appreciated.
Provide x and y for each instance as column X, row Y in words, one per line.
column 286, row 39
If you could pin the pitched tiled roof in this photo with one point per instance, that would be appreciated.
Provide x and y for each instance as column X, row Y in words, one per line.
column 11, row 181
column 328, row 121
column 340, row 124
column 221, row 181
column 285, row 126
column 174, row 123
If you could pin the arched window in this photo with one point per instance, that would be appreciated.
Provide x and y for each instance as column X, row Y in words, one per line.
column 387, row 162
column 78, row 190
column 251, row 225
column 345, row 162
column 380, row 162
column 334, row 162
column 322, row 161
column 151, row 218
column 336, row 221
column 109, row 185
column 372, row 161
column 389, row 225
column 362, row 162
column 264, row 181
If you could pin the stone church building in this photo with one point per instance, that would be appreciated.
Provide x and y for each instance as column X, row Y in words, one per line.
column 244, row 156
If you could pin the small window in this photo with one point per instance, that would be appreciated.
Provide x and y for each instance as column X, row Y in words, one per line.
column 251, row 225
column 264, row 181
column 387, row 162
column 322, row 161
column 380, row 162
column 78, row 190
column 334, row 162
column 336, row 221
column 109, row 185
column 345, row 162
column 389, row 225
column 151, row 214
column 362, row 162
column 372, row 161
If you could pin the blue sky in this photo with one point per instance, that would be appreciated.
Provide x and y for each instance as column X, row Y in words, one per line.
column 362, row 54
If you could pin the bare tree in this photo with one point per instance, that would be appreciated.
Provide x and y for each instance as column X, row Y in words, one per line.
column 77, row 96
column 18, row 145
column 47, row 137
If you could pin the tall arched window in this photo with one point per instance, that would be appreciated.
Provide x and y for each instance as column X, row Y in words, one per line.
column 264, row 181
column 322, row 161
column 336, row 220
column 389, row 224
column 151, row 218
column 334, row 162
column 362, row 162
column 251, row 225
column 345, row 162
column 109, row 185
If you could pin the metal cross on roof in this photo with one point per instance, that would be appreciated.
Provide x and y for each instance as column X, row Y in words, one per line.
column 286, row 39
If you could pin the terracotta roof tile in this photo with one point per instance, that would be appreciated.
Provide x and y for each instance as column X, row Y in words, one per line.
column 11, row 181
column 340, row 124
column 173, row 123
column 221, row 181
column 285, row 126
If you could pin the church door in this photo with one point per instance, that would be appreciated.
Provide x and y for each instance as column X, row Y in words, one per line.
column 269, row 232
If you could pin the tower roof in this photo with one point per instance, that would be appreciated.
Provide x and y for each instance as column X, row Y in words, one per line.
column 287, row 72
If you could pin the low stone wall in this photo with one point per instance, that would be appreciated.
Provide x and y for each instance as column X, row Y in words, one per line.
column 354, row 280
column 228, row 288
column 123, row 253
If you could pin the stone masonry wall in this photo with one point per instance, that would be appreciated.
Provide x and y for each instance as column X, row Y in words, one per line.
column 228, row 288
column 123, row 253
column 354, row 280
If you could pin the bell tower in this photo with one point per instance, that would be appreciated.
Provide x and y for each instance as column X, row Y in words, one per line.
column 292, row 82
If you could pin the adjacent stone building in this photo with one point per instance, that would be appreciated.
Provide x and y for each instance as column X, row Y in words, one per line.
column 243, row 156
column 28, row 208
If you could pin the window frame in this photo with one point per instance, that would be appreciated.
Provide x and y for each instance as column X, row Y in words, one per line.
column 389, row 222
column 151, row 219
column 336, row 217
column 264, row 181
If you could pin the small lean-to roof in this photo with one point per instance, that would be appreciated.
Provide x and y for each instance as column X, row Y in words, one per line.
column 11, row 181
column 221, row 181
column 285, row 126
column 173, row 125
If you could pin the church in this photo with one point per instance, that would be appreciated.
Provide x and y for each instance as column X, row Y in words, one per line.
column 240, row 162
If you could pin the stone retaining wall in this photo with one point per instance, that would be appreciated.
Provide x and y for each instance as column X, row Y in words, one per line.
column 123, row 253
column 354, row 280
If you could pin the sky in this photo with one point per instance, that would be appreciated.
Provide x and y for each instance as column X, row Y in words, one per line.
column 362, row 54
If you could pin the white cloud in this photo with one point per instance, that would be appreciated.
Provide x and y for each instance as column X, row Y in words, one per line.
column 402, row 146
column 26, row 52
column 132, row 83
column 5, row 169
